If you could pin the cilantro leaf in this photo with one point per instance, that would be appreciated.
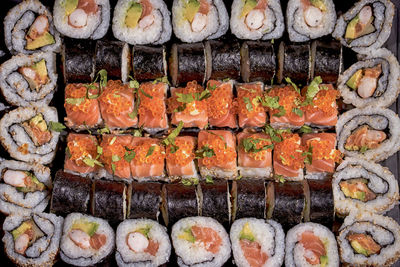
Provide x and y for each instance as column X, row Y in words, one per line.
column 150, row 151
column 56, row 126
column 297, row 111
column 289, row 81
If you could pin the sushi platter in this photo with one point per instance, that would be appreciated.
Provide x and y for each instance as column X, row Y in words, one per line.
column 200, row 133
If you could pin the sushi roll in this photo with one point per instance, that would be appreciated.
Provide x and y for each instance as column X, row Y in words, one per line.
column 24, row 187
column 152, row 110
column 254, row 155
column 310, row 19
column 29, row 80
column 144, row 200
column 71, row 193
column 321, row 154
column 288, row 158
column 195, row 21
column 369, row 133
column 364, row 185
column 368, row 239
column 142, row 242
column 149, row 62
column 309, row 244
column 149, row 159
column 140, row 22
column 81, row 155
column 256, row 242
column 200, row 241
column 82, row 106
column 327, row 57
column 28, row 28
column 220, row 105
column 366, row 26
column 217, row 154
column 294, row 61
column 257, row 19
column 86, row 240
column 27, row 134
column 249, row 199
column 180, row 158
column 82, row 19
column 251, row 112
column 321, row 202
column 32, row 239
column 258, row 61
column 189, row 105
column 373, row 81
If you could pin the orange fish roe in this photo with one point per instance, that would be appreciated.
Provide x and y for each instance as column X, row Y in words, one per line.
column 220, row 102
column 184, row 155
column 142, row 153
column 113, row 100
column 322, row 149
column 82, row 147
column 260, row 155
column 288, row 98
column 223, row 153
column 113, row 148
column 290, row 151
column 248, row 96
column 79, row 93
column 325, row 100
column 193, row 108
column 155, row 104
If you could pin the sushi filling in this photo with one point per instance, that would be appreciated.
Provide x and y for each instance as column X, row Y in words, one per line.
column 38, row 34
column 78, row 11
column 357, row 188
column 363, row 244
column 140, row 242
column 83, row 234
column 365, row 81
column 196, row 12
column 36, row 74
column 25, row 235
column 139, row 14
column 251, row 247
column 364, row 138
column 253, row 12
column 37, row 129
column 314, row 12
column 360, row 25
column 314, row 249
column 204, row 237
column 24, row 181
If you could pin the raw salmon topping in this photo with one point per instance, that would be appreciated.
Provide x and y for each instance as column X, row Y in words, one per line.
column 78, row 98
column 324, row 100
column 364, row 138
column 184, row 155
column 288, row 100
column 363, row 244
column 322, row 149
column 208, row 236
column 80, row 148
column 252, row 251
column 151, row 99
column 256, row 147
column 148, row 152
column 188, row 100
column 114, row 151
column 290, row 151
column 314, row 248
column 220, row 102
column 248, row 102
column 215, row 151
column 114, row 102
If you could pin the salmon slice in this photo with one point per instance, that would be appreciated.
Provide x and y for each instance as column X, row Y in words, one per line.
column 366, row 242
column 261, row 4
column 80, row 109
column 152, row 248
column 114, row 151
column 208, row 236
column 252, row 252
column 89, row 6
column 352, row 187
column 147, row 8
column 181, row 162
column 320, row 118
column 365, row 137
column 80, row 146
column 220, row 105
column 251, row 112
column 288, row 155
column 117, row 105
column 291, row 119
column 204, row 7
column 149, row 157
column 261, row 159
column 313, row 246
column 152, row 110
column 323, row 148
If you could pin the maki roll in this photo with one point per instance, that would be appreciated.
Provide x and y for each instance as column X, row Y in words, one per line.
column 220, row 104
column 249, row 199
column 294, row 61
column 144, row 201
column 321, row 202
column 327, row 60
column 24, row 187
column 309, row 244
column 194, row 21
column 217, row 154
column 310, row 19
column 180, row 157
column 364, row 185
column 27, row 134
column 142, row 22
column 373, row 81
column 368, row 239
column 254, row 155
column 251, row 112
column 142, row 242
column 32, row 239
column 366, row 26
column 200, row 241
column 28, row 28
column 257, row 19
column 369, row 133
column 86, row 240
column 149, row 62
column 256, row 242
column 82, row 19
column 29, row 80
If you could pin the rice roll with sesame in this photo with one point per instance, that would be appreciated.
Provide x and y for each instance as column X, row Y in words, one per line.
column 32, row 239
column 24, row 187
column 82, row 19
column 366, row 26
column 29, row 80
column 197, row 20
column 256, row 242
column 257, row 19
column 28, row 28
column 149, row 62
column 200, row 241
column 86, row 240
column 140, row 22
column 142, row 242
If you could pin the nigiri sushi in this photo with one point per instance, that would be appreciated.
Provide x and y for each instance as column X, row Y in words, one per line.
column 180, row 158
column 251, row 112
column 220, row 104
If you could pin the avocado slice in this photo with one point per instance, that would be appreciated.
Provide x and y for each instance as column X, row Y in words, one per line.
column 43, row 40
column 41, row 71
column 354, row 81
column 70, row 6
column 191, row 8
column 145, row 231
column 323, row 260
column 39, row 122
column 88, row 227
column 133, row 15
column 25, row 226
column 355, row 30
column 359, row 249
column 249, row 5
column 187, row 235
column 319, row 4
column 246, row 233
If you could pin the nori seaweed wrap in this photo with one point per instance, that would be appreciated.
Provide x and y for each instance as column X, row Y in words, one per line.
column 248, row 199
column 321, row 202
column 327, row 60
column 149, row 62
column 294, row 62
column 258, row 61
column 145, row 201
column 71, row 193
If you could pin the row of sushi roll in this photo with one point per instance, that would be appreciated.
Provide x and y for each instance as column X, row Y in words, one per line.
column 35, row 239
column 30, row 26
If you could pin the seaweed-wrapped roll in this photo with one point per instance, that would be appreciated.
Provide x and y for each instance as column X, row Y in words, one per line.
column 249, row 199
column 294, row 61
column 327, row 60
column 32, row 239
column 321, row 202
column 149, row 62
column 28, row 28
column 214, row 200
column 145, row 201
